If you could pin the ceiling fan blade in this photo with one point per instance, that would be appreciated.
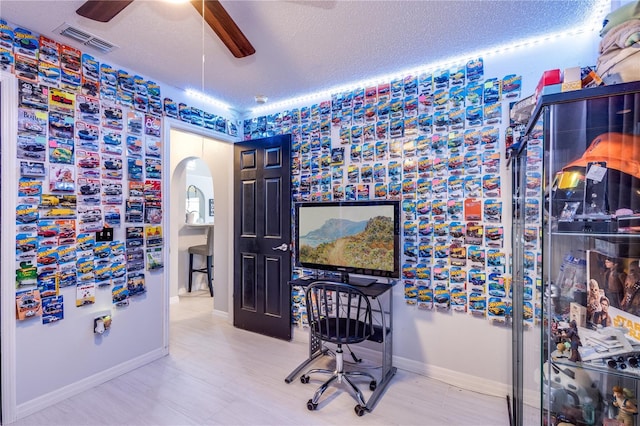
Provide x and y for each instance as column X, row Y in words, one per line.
column 102, row 10
column 224, row 26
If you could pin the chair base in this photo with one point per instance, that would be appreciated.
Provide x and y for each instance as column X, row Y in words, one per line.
column 340, row 376
column 207, row 270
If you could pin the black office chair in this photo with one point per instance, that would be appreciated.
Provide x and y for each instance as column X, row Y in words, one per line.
column 205, row 250
column 341, row 314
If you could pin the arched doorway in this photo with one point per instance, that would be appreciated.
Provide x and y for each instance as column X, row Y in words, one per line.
column 199, row 206
column 216, row 157
column 198, row 193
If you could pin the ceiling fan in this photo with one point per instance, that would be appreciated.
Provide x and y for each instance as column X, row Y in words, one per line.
column 213, row 12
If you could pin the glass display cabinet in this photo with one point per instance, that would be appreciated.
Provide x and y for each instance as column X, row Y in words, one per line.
column 576, row 246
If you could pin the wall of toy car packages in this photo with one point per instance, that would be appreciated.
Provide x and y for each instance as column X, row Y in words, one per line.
column 436, row 141
column 89, row 150
column 532, row 265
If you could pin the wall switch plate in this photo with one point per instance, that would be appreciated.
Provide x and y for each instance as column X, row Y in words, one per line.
column 105, row 235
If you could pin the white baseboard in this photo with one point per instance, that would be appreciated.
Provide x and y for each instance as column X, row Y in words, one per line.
column 221, row 314
column 174, row 299
column 299, row 334
column 452, row 377
column 47, row 400
column 455, row 378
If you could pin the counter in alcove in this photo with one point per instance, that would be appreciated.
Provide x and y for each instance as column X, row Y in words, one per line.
column 198, row 225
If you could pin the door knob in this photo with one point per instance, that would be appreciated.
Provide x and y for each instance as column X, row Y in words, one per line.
column 282, row 247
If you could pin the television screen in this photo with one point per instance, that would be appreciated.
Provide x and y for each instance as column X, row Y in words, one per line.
column 360, row 237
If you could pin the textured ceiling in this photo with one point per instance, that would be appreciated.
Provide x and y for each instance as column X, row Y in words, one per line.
column 301, row 46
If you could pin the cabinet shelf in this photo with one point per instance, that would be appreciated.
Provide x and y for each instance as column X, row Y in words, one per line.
column 577, row 269
column 618, row 236
column 632, row 373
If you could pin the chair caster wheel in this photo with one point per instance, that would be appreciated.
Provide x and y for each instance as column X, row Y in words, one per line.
column 304, row 379
column 360, row 410
column 373, row 385
column 311, row 406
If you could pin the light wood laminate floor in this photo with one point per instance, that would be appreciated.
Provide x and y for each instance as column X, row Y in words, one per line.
column 216, row 374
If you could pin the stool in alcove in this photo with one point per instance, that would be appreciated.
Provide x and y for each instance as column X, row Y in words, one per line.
column 205, row 250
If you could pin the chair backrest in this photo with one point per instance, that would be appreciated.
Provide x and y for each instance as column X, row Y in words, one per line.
column 338, row 313
column 210, row 240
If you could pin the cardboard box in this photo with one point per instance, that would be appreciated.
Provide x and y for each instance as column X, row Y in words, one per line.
column 550, row 77
column 578, row 313
column 590, row 78
column 572, row 85
column 550, row 89
column 572, row 74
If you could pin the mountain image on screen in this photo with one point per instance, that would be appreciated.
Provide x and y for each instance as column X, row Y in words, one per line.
column 363, row 244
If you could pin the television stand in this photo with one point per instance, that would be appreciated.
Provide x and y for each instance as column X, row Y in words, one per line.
column 356, row 281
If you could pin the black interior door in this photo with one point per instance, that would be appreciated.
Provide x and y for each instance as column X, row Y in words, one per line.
column 262, row 261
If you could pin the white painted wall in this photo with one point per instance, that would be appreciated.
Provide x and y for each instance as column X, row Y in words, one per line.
column 455, row 347
column 43, row 364
column 8, row 131
column 458, row 348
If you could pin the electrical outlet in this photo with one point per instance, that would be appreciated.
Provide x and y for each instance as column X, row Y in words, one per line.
column 101, row 324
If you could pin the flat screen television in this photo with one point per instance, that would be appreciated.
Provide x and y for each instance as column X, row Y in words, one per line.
column 349, row 237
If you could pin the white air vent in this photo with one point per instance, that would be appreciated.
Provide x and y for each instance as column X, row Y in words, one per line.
column 101, row 45
column 85, row 38
column 76, row 34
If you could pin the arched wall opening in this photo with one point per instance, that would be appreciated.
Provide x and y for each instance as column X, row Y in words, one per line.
column 186, row 145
